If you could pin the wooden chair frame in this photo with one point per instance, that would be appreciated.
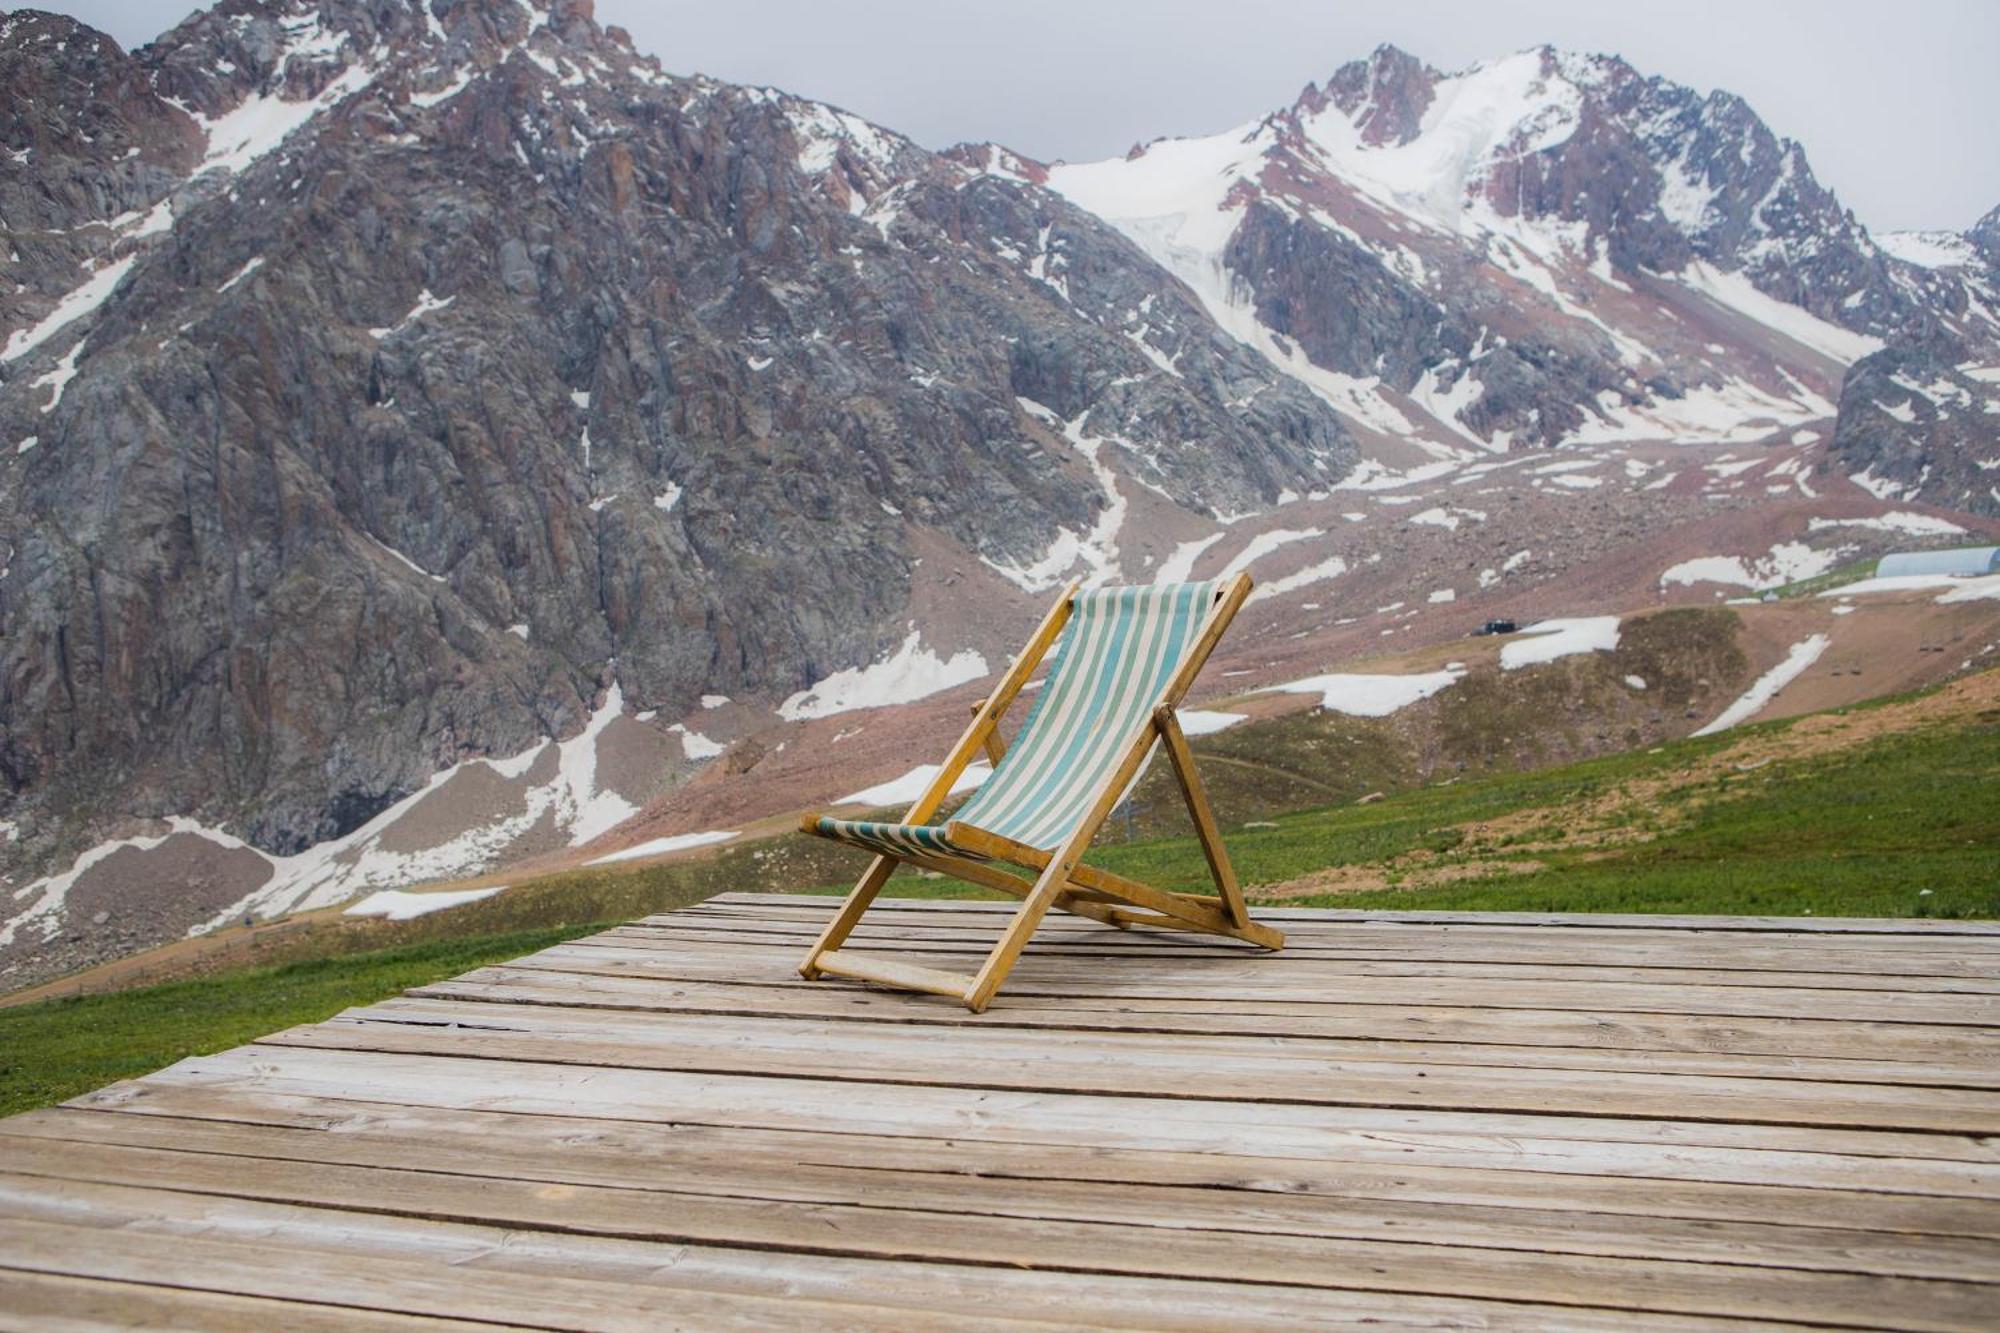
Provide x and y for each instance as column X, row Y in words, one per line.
column 1062, row 880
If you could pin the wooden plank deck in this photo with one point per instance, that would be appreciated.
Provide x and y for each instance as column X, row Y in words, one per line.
column 1413, row 1119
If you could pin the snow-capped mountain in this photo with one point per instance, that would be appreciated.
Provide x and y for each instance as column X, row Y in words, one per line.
column 1544, row 248
column 390, row 388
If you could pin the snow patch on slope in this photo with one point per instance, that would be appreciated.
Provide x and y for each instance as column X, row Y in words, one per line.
column 1196, row 722
column 1177, row 567
column 1786, row 562
column 1928, row 249
column 77, row 303
column 1172, row 201
column 1919, row 525
column 378, row 854
column 1736, row 292
column 906, row 789
column 1497, row 109
column 396, row 905
column 1547, row 640
column 912, row 672
column 50, row 891
column 262, row 121
column 661, row 846
column 1362, row 695
column 328, row 872
column 1767, row 685
column 1097, row 549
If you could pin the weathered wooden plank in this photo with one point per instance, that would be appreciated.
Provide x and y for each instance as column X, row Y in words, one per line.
column 1806, row 954
column 1204, row 1068
column 1157, row 949
column 596, row 1151
column 1522, row 1273
column 49, row 1303
column 1776, row 931
column 1949, row 1050
column 1636, row 965
column 723, row 1010
column 1909, row 964
column 1554, row 943
column 323, row 1169
column 1903, row 1162
column 1221, row 981
column 1319, row 921
column 880, row 1293
column 388, row 1284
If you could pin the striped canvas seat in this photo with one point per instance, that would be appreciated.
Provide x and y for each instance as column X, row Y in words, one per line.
column 1115, row 656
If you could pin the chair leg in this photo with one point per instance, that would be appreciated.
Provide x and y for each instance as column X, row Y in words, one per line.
column 1212, row 848
column 1020, row 930
column 849, row 915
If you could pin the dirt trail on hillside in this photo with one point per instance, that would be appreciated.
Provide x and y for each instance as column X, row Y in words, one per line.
column 1643, row 807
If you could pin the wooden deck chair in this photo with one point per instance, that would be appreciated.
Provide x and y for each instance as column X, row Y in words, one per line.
column 1124, row 659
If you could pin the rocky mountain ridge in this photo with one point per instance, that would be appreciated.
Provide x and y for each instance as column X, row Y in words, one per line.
column 476, row 355
column 1921, row 418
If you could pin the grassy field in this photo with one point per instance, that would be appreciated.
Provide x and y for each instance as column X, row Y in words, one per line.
column 60, row 1048
column 1906, row 829
column 1908, row 825
column 1763, row 820
column 1853, row 572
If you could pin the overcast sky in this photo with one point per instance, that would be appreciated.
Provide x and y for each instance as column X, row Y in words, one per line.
column 1896, row 101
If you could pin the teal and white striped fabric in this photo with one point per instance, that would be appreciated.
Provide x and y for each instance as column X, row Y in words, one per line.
column 1117, row 653
column 895, row 839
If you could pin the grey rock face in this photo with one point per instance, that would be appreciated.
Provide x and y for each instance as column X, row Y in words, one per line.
column 86, row 149
column 1917, row 426
column 1337, row 300
column 519, row 366
column 1921, row 418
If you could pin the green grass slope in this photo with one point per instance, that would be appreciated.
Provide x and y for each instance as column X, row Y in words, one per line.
column 1902, row 824
column 59, row 1048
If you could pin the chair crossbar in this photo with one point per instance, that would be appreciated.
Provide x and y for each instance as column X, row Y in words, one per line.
column 891, row 972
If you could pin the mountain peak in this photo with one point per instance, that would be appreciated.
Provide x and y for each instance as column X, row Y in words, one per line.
column 994, row 159
column 1985, row 234
column 1385, row 96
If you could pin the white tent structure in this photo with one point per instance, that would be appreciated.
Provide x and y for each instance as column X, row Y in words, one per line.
column 1972, row 561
